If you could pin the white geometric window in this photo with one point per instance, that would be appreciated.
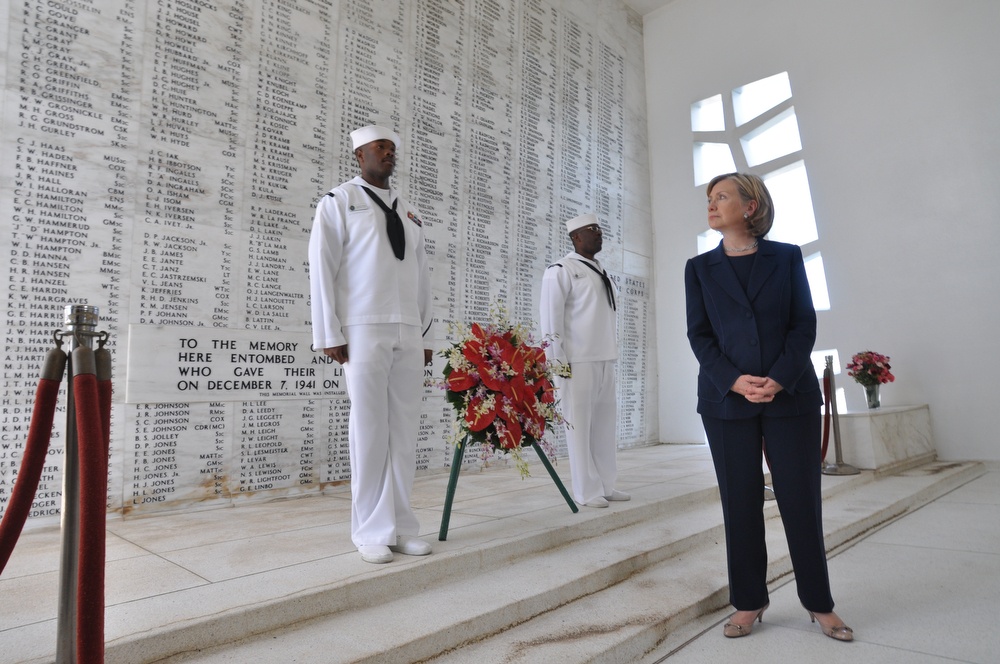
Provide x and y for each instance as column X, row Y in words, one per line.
column 753, row 99
column 764, row 139
column 710, row 159
column 707, row 241
column 776, row 137
column 817, row 282
column 708, row 115
column 794, row 219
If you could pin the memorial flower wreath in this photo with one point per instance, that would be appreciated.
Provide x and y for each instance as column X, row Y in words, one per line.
column 501, row 387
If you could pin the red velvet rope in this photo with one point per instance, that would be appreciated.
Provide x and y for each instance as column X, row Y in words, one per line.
column 35, row 451
column 93, row 514
column 92, row 395
column 102, row 359
column 104, row 394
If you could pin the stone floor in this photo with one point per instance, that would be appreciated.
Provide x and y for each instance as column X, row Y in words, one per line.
column 924, row 588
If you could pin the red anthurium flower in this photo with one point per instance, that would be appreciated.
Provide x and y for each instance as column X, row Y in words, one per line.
column 548, row 392
column 531, row 408
column 534, row 420
column 513, row 357
column 510, row 435
column 505, row 408
column 521, row 394
column 534, row 364
column 474, row 351
column 478, row 415
column 492, row 377
column 500, row 349
column 535, row 424
column 460, row 380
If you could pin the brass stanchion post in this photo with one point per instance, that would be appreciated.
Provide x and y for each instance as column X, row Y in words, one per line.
column 838, row 467
column 80, row 324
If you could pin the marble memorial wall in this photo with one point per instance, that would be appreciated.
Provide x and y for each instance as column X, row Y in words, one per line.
column 162, row 162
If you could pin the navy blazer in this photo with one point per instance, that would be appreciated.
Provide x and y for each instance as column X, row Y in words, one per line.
column 769, row 330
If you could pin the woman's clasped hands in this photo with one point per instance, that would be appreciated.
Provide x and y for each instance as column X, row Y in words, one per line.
column 756, row 389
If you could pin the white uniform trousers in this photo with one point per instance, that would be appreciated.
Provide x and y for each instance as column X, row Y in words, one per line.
column 589, row 405
column 384, row 373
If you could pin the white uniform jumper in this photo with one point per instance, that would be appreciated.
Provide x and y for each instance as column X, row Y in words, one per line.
column 363, row 296
column 576, row 308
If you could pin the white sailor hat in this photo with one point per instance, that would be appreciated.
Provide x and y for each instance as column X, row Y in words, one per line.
column 366, row 135
column 581, row 221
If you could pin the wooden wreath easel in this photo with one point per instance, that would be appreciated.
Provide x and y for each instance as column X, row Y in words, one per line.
column 456, row 468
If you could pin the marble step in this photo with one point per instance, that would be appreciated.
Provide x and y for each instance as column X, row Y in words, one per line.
column 184, row 581
column 611, row 586
column 668, row 603
column 466, row 590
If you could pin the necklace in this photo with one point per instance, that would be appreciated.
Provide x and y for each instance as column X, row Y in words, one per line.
column 739, row 251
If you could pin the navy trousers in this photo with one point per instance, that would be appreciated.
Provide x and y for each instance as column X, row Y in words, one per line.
column 793, row 449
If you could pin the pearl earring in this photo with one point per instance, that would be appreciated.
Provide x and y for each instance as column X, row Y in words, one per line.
column 746, row 215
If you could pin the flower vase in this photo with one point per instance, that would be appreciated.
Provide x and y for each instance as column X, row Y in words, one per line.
column 872, row 397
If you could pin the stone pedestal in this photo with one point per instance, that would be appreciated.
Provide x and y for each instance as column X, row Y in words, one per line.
column 886, row 440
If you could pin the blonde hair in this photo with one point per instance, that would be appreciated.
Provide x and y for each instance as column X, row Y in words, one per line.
column 751, row 188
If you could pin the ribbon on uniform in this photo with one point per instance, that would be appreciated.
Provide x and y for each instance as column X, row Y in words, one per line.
column 608, row 288
column 393, row 224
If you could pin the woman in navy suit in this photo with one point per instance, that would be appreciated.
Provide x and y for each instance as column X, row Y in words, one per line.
column 752, row 326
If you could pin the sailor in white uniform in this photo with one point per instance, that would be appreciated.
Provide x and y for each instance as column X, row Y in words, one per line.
column 371, row 312
column 578, row 307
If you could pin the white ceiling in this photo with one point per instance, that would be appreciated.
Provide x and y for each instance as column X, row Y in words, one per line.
column 643, row 7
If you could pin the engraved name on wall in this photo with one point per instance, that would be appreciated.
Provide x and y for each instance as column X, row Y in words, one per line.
column 163, row 161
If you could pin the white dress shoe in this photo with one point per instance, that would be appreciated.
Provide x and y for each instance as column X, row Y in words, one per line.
column 596, row 502
column 375, row 553
column 410, row 546
column 618, row 495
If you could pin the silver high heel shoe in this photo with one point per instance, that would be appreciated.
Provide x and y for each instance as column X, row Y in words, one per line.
column 733, row 631
column 839, row 632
